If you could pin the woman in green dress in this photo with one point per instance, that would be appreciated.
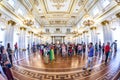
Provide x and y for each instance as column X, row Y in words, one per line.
column 52, row 57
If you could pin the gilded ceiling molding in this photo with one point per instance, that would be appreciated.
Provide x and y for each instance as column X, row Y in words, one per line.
column 107, row 11
column 84, row 8
column 11, row 22
column 7, row 9
column 105, row 22
column 118, row 15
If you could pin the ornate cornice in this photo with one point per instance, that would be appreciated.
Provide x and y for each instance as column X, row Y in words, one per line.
column 105, row 22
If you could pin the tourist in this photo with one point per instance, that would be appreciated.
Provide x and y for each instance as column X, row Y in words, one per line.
column 107, row 50
column 6, row 64
column 9, row 50
column 90, row 57
column 16, row 51
column 79, row 49
column 64, row 52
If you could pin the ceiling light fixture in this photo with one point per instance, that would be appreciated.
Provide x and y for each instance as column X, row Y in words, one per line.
column 28, row 22
column 118, row 1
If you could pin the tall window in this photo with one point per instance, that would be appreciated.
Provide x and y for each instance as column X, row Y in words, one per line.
column 47, row 30
column 68, row 30
column 57, row 29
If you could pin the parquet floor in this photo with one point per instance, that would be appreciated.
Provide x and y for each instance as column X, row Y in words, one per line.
column 33, row 67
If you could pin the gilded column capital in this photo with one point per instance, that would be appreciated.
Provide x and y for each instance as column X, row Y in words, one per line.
column 23, row 28
column 11, row 22
column 85, row 31
column 0, row 14
column 118, row 15
column 93, row 28
column 105, row 22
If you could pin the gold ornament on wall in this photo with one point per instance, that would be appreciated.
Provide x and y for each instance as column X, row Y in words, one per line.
column 105, row 22
column 118, row 15
column 11, row 22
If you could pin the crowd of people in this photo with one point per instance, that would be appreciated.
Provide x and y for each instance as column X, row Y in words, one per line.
column 49, row 52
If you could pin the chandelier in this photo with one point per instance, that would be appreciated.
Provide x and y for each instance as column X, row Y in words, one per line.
column 118, row 1
column 88, row 22
column 28, row 22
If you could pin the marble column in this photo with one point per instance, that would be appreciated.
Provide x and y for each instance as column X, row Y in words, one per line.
column 52, row 38
column 9, row 34
column 22, row 38
column 107, row 33
column 85, row 36
column 62, row 39
column 93, row 34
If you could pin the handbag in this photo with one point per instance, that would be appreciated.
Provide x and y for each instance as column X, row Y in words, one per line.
column 8, row 65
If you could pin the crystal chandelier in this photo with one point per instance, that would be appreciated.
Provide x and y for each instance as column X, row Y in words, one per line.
column 88, row 22
column 118, row 1
column 28, row 22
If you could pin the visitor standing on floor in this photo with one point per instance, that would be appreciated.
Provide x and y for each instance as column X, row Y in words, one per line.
column 9, row 50
column 64, row 51
column 79, row 48
column 114, row 45
column 52, row 57
column 107, row 51
column 6, row 64
column 90, row 57
column 16, row 51
column 28, row 48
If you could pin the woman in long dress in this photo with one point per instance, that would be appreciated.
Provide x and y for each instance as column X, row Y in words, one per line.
column 64, row 50
column 52, row 57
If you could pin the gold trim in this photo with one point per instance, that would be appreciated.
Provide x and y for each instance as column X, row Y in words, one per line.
column 85, row 31
column 11, row 22
column 107, row 11
column 23, row 28
column 84, row 8
column 49, row 12
column 4, row 7
column 105, row 22
column 93, row 28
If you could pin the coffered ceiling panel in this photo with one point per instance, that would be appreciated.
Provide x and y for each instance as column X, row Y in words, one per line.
column 58, row 5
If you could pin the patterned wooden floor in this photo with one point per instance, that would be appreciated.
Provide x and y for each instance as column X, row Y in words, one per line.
column 33, row 68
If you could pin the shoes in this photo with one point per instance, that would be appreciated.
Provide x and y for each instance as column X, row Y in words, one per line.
column 84, row 68
column 90, row 70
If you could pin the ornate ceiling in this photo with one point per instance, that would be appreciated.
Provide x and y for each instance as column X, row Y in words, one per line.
column 54, row 12
column 58, row 12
